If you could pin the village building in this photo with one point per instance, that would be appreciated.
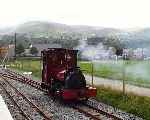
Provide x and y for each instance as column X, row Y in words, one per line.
column 7, row 50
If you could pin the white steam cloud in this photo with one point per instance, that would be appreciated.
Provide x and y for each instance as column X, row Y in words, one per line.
column 92, row 52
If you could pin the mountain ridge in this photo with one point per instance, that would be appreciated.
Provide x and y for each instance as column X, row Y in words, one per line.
column 56, row 30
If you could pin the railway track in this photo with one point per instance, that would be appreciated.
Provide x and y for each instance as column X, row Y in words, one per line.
column 91, row 113
column 16, row 76
column 22, row 102
column 90, row 108
column 16, row 104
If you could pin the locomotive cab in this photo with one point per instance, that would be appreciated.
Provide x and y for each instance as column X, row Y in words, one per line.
column 62, row 77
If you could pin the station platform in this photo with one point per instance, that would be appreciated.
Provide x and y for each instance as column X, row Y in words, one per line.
column 4, row 112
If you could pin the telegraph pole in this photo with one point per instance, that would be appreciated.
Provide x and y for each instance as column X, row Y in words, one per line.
column 15, row 46
column 92, row 73
column 123, row 79
column 124, row 72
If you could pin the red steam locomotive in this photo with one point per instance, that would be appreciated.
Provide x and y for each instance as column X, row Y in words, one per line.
column 62, row 77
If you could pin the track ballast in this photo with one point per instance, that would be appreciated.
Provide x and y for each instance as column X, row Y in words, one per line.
column 100, row 111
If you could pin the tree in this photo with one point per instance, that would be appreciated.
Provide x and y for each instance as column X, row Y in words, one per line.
column 119, row 51
column 95, row 40
column 19, row 49
column 113, row 41
column 69, row 43
column 34, row 51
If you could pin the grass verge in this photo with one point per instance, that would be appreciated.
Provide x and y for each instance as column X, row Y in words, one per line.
column 27, row 65
column 136, row 72
column 137, row 105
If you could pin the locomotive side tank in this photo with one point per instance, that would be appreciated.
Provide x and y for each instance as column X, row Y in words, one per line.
column 62, row 77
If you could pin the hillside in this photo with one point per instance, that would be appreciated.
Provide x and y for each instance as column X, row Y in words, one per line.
column 38, row 29
column 51, row 30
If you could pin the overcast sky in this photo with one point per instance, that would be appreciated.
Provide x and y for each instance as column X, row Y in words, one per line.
column 106, row 13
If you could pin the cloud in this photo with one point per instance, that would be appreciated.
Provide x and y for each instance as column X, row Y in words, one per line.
column 107, row 13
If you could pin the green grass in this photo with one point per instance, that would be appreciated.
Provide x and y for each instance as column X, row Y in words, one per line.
column 28, row 65
column 136, row 72
column 137, row 105
column 105, row 69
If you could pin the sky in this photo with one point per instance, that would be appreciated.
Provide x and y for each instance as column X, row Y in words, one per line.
column 105, row 13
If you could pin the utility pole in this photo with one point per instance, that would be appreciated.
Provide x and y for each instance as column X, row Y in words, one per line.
column 92, row 73
column 15, row 46
column 142, row 54
column 123, row 79
column 124, row 72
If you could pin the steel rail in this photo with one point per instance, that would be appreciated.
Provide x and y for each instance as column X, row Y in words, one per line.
column 86, row 113
column 21, row 78
column 12, row 99
column 104, row 112
column 36, row 107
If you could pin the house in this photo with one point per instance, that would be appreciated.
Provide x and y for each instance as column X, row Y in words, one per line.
column 7, row 50
column 135, row 54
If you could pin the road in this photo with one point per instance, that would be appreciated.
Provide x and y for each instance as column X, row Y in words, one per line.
column 117, row 85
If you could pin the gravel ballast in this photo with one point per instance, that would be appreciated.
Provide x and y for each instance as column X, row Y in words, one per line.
column 61, row 111
column 57, row 110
